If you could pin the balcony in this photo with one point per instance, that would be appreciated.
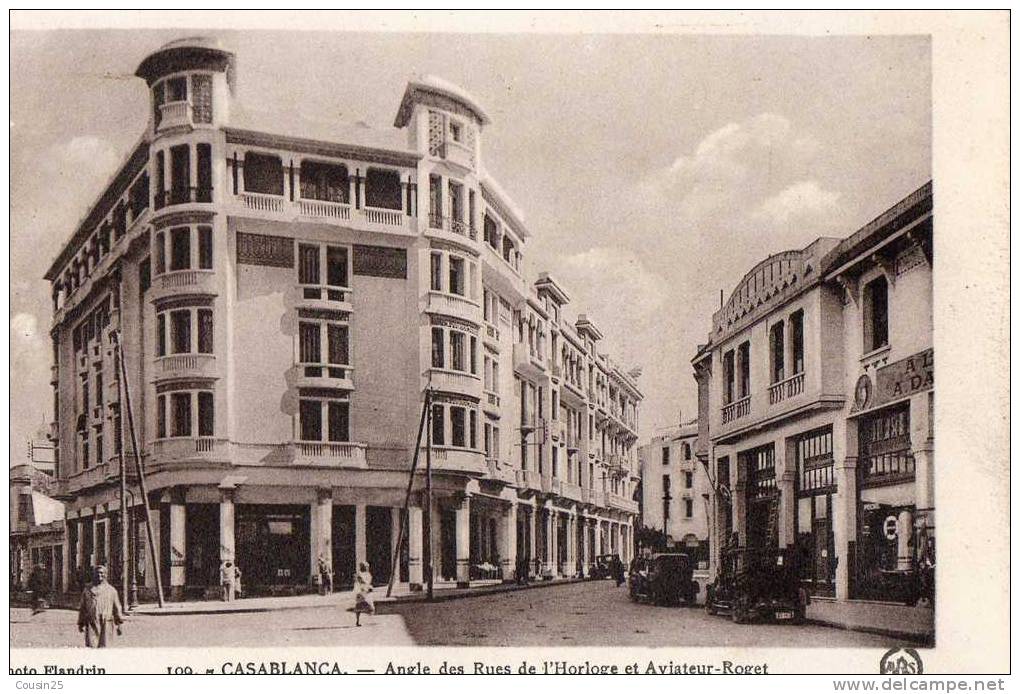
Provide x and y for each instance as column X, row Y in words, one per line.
column 325, row 210
column 188, row 448
column 456, row 382
column 571, row 491
column 621, row 502
column 556, row 371
column 184, row 366
column 786, row 389
column 464, row 460
column 330, row 454
column 263, row 202
column 594, row 496
column 491, row 335
column 502, row 473
column 460, row 154
column 451, row 229
column 183, row 283
column 316, row 296
column 490, row 403
column 572, row 394
column 174, row 114
column 528, row 479
column 454, row 305
column 551, row 486
column 527, row 362
column 89, row 477
column 737, row 409
column 322, row 375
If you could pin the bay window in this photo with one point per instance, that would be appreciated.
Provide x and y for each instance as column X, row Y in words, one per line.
column 323, row 417
column 187, row 330
column 311, row 335
column 311, row 259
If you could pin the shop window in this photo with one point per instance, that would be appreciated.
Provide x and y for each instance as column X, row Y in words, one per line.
column 263, row 173
column 876, row 314
column 382, row 189
column 328, row 182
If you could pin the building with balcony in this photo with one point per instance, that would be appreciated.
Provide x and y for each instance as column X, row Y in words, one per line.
column 815, row 394
column 286, row 291
column 676, row 491
column 36, row 527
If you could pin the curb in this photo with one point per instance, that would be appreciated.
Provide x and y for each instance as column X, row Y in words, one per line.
column 927, row 640
column 480, row 592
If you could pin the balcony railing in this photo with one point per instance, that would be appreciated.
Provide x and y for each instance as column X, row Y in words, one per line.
column 186, row 366
column 174, row 114
column 377, row 215
column 529, row 479
column 449, row 381
column 459, row 153
column 454, row 305
column 452, row 225
column 736, row 410
column 325, row 208
column 263, row 202
column 794, row 385
column 491, row 333
column 343, row 454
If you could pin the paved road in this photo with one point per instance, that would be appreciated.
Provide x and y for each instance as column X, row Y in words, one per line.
column 579, row 614
column 600, row 614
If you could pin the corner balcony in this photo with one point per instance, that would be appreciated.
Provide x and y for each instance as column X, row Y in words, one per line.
column 325, row 298
column 322, row 375
column 462, row 460
column 736, row 410
column 499, row 472
column 457, row 382
column 528, row 480
column 183, row 283
column 490, row 403
column 277, row 207
column 785, row 389
column 174, row 115
column 527, row 362
column 189, row 448
column 621, row 502
column 451, row 229
column 330, row 454
column 184, row 366
column 459, row 154
column 455, row 306
column 90, row 477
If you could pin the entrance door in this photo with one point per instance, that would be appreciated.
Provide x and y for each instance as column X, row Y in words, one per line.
column 202, row 545
column 379, row 538
column 343, row 546
column 273, row 545
column 448, row 545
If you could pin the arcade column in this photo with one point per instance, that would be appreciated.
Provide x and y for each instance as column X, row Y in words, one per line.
column 547, row 560
column 227, row 527
column 360, row 535
column 178, row 545
column 463, row 541
column 585, row 544
column 414, row 548
column 508, row 543
column 322, row 531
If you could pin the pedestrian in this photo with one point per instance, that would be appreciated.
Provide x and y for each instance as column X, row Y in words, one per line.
column 363, row 601
column 227, row 580
column 100, row 605
column 325, row 576
column 39, row 588
column 618, row 570
column 238, row 588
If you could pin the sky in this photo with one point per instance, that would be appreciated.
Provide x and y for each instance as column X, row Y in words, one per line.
column 652, row 171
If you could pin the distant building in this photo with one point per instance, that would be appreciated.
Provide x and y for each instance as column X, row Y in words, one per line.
column 675, row 490
column 36, row 527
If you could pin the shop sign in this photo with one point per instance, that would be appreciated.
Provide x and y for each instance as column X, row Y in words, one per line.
column 896, row 381
column 889, row 527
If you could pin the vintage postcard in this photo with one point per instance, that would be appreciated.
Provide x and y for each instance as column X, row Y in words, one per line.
column 517, row 343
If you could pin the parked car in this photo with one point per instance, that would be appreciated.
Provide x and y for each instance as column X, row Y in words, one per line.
column 756, row 584
column 664, row 579
column 603, row 566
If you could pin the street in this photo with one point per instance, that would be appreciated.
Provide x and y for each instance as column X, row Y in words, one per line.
column 579, row 614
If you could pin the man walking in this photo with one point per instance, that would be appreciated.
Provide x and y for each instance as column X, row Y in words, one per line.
column 38, row 585
column 100, row 605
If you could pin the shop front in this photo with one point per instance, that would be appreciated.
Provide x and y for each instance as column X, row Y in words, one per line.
column 272, row 546
column 762, row 497
column 816, row 486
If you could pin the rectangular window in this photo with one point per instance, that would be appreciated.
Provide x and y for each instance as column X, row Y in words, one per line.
column 438, row 350
column 728, row 377
column 205, row 258
column 203, row 155
column 324, row 182
column 310, row 414
column 438, row 426
column 745, row 369
column 205, row 413
column 667, row 485
column 688, row 508
column 435, row 202
column 205, row 331
column 876, row 314
column 339, row 420
column 180, row 331
column 177, row 89
column 457, row 361
column 99, row 446
column 457, row 276
column 665, row 455
column 472, row 429
column 436, row 273
column 160, row 244
column 458, row 428
column 160, row 334
column 180, row 248
column 263, row 173
column 688, row 480
column 797, row 340
column 490, row 231
column 339, row 345
column 456, row 201
column 473, row 354
column 180, row 174
column 308, row 264
column 382, row 189
column 310, row 343
column 161, row 417
column 144, row 276
column 180, row 404
column 160, row 179
column 777, row 346
column 336, row 266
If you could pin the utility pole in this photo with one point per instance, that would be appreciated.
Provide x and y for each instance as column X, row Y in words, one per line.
column 125, row 560
column 115, row 336
column 401, row 534
column 427, row 521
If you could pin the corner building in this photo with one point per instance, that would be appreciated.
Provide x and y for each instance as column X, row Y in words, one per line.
column 816, row 392
column 286, row 291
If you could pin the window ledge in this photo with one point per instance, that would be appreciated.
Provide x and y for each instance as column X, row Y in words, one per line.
column 876, row 357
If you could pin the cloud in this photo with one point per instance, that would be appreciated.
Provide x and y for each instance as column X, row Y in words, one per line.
column 802, row 199
column 23, row 326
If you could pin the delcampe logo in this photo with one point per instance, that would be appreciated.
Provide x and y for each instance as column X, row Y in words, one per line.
column 901, row 661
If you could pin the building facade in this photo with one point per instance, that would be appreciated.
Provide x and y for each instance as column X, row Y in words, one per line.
column 36, row 527
column 675, row 490
column 286, row 292
column 815, row 399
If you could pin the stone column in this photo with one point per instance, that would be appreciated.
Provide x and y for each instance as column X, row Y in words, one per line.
column 585, row 544
column 322, row 543
column 178, row 546
column 463, row 533
column 414, row 548
column 508, row 549
column 227, row 529
column 740, row 503
column 787, row 509
column 360, row 535
column 845, row 521
column 394, row 547
column 532, row 537
column 904, row 533
column 548, row 561
column 571, row 542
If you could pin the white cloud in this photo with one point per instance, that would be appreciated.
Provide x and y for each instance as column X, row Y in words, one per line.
column 24, row 326
column 804, row 198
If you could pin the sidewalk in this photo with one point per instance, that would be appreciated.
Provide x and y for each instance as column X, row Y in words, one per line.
column 401, row 593
column 895, row 621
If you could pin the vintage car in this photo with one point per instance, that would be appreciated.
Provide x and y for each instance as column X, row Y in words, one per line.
column 603, row 566
column 663, row 579
column 756, row 584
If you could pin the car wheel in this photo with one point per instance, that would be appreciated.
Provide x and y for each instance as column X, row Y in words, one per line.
column 710, row 608
column 739, row 614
